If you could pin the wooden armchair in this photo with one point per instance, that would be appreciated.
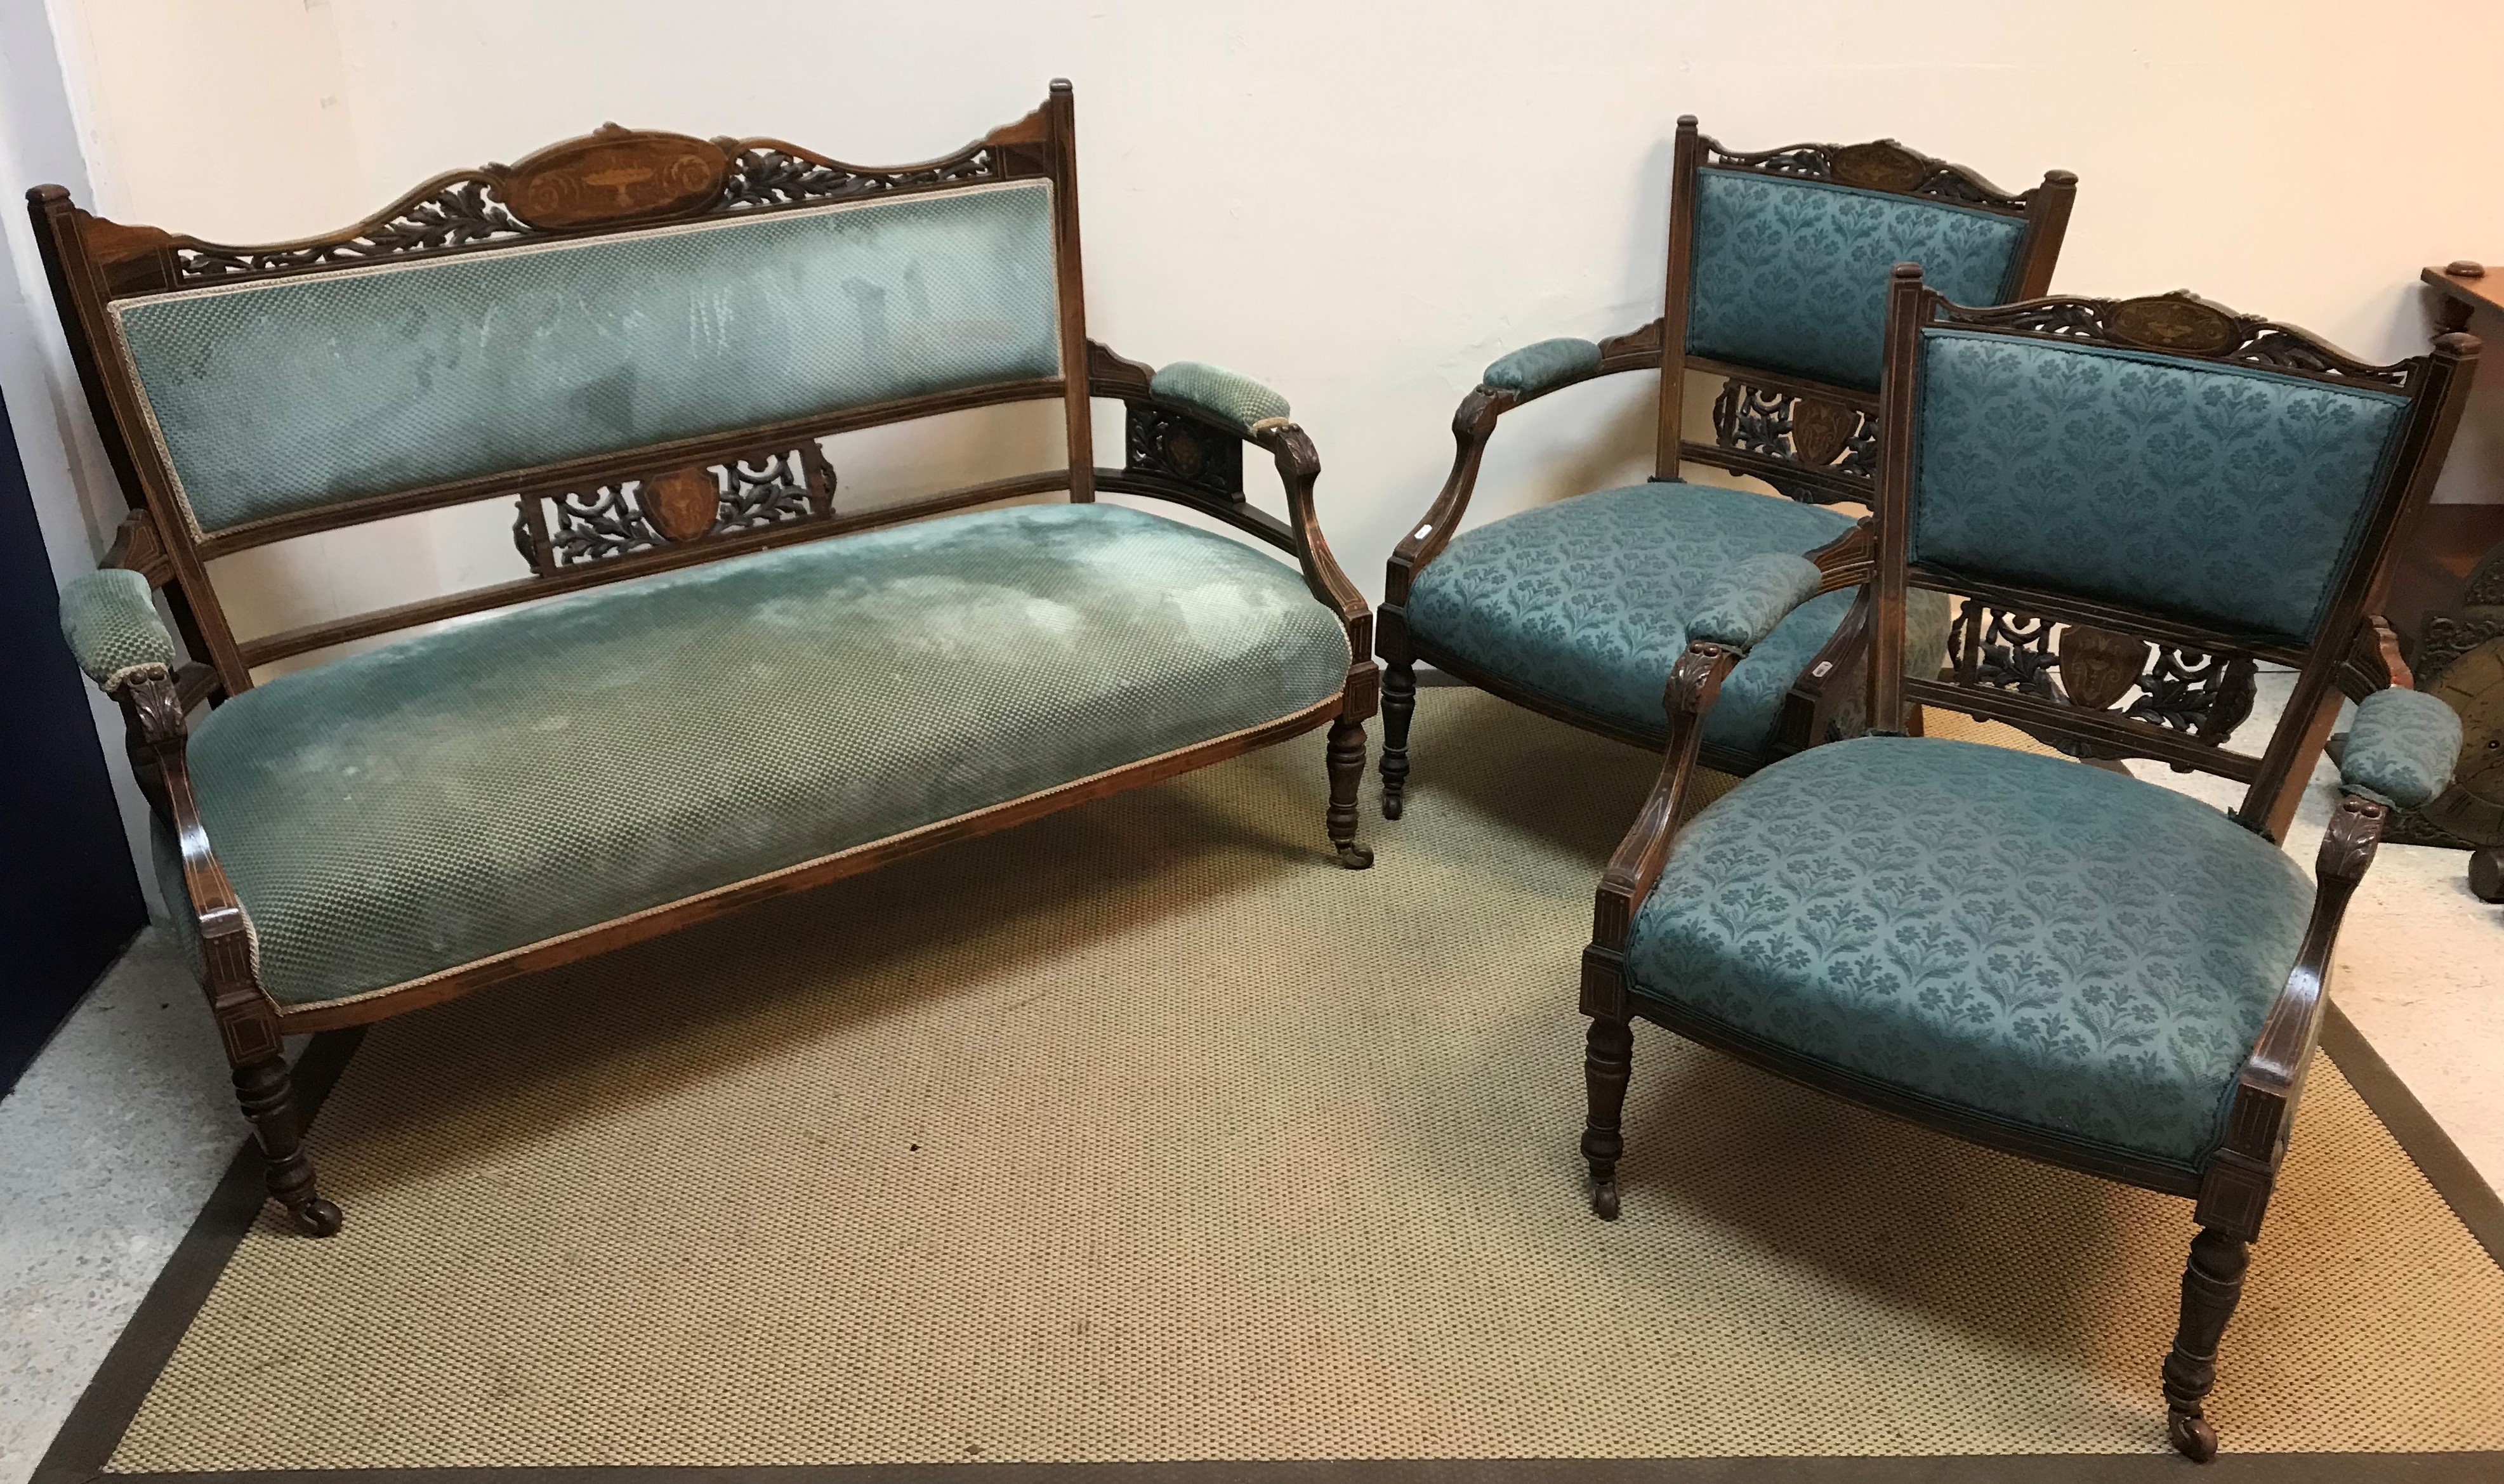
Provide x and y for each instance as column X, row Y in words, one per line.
column 2138, row 500
column 1776, row 283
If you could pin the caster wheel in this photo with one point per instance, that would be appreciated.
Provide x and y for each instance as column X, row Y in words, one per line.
column 2192, row 1436
column 317, row 1218
column 1391, row 806
column 1355, row 857
column 1604, row 1200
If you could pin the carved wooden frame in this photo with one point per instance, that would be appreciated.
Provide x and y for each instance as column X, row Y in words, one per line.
column 1814, row 700
column 2356, row 656
column 611, row 180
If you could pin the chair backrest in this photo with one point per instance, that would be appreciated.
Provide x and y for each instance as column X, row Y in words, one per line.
column 639, row 336
column 1778, row 271
column 2140, row 501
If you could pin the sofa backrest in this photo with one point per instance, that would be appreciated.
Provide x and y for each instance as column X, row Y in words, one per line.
column 279, row 395
column 639, row 337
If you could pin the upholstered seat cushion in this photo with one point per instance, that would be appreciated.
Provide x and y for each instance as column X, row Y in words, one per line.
column 2020, row 936
column 1588, row 601
column 477, row 790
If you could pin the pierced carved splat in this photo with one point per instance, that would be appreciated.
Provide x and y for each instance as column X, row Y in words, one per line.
column 1174, row 446
column 557, row 529
column 2181, row 689
column 614, row 177
column 767, row 172
column 454, row 212
column 1882, row 164
column 1810, row 432
column 2181, row 323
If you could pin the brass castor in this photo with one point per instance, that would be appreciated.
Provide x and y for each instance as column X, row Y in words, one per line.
column 1604, row 1199
column 2191, row 1436
column 317, row 1216
column 1355, row 857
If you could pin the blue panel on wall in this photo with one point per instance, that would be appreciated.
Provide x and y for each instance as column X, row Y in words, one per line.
column 69, row 897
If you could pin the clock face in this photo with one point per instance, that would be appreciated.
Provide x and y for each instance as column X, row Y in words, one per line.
column 2473, row 685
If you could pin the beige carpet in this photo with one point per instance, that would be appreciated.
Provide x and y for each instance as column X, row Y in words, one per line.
column 1145, row 1132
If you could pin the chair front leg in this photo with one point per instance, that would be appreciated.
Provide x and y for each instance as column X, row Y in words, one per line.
column 2213, row 1281
column 1346, row 772
column 1607, row 1059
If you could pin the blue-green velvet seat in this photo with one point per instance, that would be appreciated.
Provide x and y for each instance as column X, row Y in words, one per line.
column 2008, row 936
column 449, row 798
column 1586, row 602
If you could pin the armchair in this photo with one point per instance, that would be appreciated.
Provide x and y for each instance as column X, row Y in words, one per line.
column 2046, row 959
column 1775, row 282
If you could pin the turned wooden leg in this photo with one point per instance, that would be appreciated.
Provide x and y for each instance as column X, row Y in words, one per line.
column 1399, row 704
column 268, row 1097
column 1608, row 1055
column 2211, row 1282
column 1346, row 772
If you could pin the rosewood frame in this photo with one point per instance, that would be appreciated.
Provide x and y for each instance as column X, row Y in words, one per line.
column 2354, row 654
column 1826, row 432
column 550, row 194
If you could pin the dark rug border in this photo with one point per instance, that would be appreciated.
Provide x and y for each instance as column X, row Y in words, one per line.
column 87, row 1441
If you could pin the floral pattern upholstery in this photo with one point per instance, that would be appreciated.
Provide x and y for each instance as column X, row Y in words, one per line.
column 2008, row 934
column 1588, row 602
column 2222, row 494
column 1791, row 275
column 2402, row 748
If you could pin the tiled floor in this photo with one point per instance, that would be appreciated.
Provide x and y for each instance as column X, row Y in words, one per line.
column 115, row 1137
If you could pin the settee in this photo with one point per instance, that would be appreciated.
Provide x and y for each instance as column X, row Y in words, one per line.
column 717, row 682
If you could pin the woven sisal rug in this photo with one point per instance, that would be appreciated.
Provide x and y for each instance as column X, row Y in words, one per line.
column 1145, row 1133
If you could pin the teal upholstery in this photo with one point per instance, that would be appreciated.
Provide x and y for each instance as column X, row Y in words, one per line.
column 2007, row 934
column 1742, row 605
column 109, row 619
column 2401, row 748
column 291, row 394
column 491, row 785
column 2222, row 494
column 1543, row 368
column 1588, row 602
column 1230, row 396
column 1791, row 275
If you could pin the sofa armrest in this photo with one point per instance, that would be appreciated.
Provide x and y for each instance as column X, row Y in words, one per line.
column 109, row 619
column 1750, row 596
column 1536, row 370
column 2401, row 750
column 1230, row 399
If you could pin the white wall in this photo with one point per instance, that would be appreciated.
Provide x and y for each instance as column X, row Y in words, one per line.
column 1361, row 203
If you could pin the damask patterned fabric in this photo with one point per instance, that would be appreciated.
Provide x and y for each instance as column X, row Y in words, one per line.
column 451, row 797
column 292, row 393
column 1588, row 602
column 2223, row 494
column 1540, row 367
column 112, row 629
column 2012, row 935
column 1742, row 605
column 1791, row 275
column 1230, row 396
column 2402, row 748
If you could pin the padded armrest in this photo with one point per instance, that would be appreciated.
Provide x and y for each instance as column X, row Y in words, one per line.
column 1229, row 396
column 1543, row 368
column 111, row 622
column 1751, row 597
column 2401, row 750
